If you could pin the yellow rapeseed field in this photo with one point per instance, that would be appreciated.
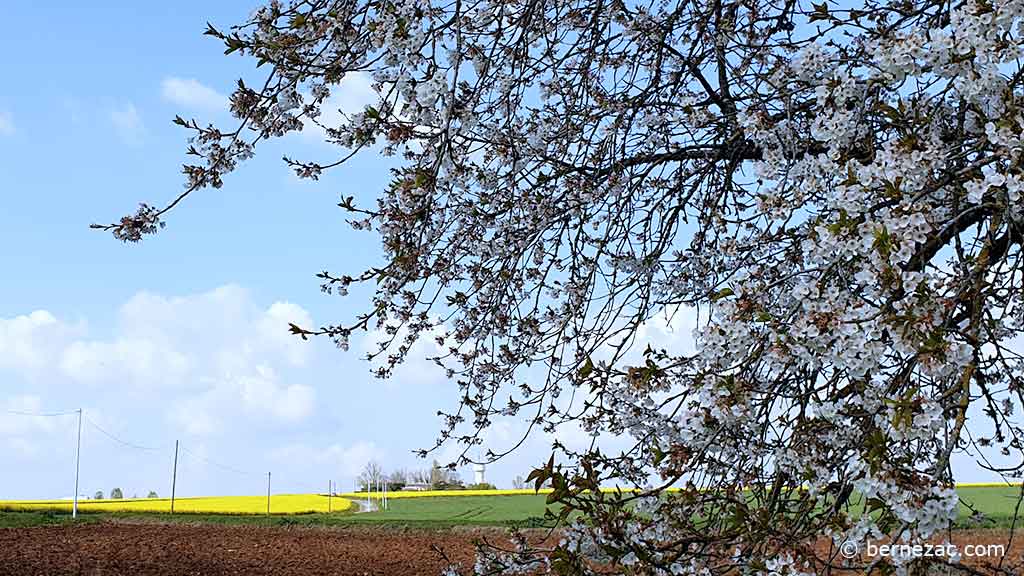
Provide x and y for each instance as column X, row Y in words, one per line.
column 279, row 504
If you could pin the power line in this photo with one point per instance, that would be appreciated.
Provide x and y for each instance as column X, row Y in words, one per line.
column 22, row 413
column 132, row 445
column 118, row 440
column 128, row 444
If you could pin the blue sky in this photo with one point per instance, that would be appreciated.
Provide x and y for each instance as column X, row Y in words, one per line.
column 184, row 336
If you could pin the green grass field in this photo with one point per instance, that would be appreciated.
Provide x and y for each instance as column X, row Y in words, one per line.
column 996, row 503
column 458, row 510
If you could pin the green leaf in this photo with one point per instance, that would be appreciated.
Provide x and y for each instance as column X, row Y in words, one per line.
column 723, row 293
column 539, row 475
column 892, row 189
column 820, row 12
column 211, row 31
column 421, row 180
column 883, row 242
column 233, row 44
column 586, row 369
column 659, row 454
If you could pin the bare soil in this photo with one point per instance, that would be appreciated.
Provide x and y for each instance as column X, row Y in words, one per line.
column 211, row 550
column 150, row 549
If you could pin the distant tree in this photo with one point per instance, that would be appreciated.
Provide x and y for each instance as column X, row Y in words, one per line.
column 116, row 494
column 370, row 476
column 421, row 476
column 437, row 474
column 444, row 477
column 152, row 494
column 135, row 496
column 98, row 495
column 397, row 480
column 481, row 486
column 518, row 483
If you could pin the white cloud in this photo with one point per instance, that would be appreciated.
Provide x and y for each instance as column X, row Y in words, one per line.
column 191, row 93
column 6, row 123
column 196, row 415
column 273, row 330
column 348, row 460
column 352, row 95
column 139, row 361
column 208, row 357
column 128, row 124
column 32, row 342
column 223, row 325
column 669, row 330
column 216, row 368
column 21, row 339
column 262, row 394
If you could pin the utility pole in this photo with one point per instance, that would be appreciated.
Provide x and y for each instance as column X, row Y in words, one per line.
column 78, row 459
column 268, row 493
column 174, row 475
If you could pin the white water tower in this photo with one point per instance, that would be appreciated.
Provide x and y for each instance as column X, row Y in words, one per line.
column 478, row 473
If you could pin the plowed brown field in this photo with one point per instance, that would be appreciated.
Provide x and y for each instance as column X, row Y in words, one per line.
column 211, row 550
column 146, row 549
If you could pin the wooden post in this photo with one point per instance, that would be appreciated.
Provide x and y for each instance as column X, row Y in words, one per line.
column 174, row 476
column 268, row 493
column 78, row 458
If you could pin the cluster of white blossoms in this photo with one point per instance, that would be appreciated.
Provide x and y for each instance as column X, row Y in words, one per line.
column 836, row 189
column 927, row 511
column 862, row 301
